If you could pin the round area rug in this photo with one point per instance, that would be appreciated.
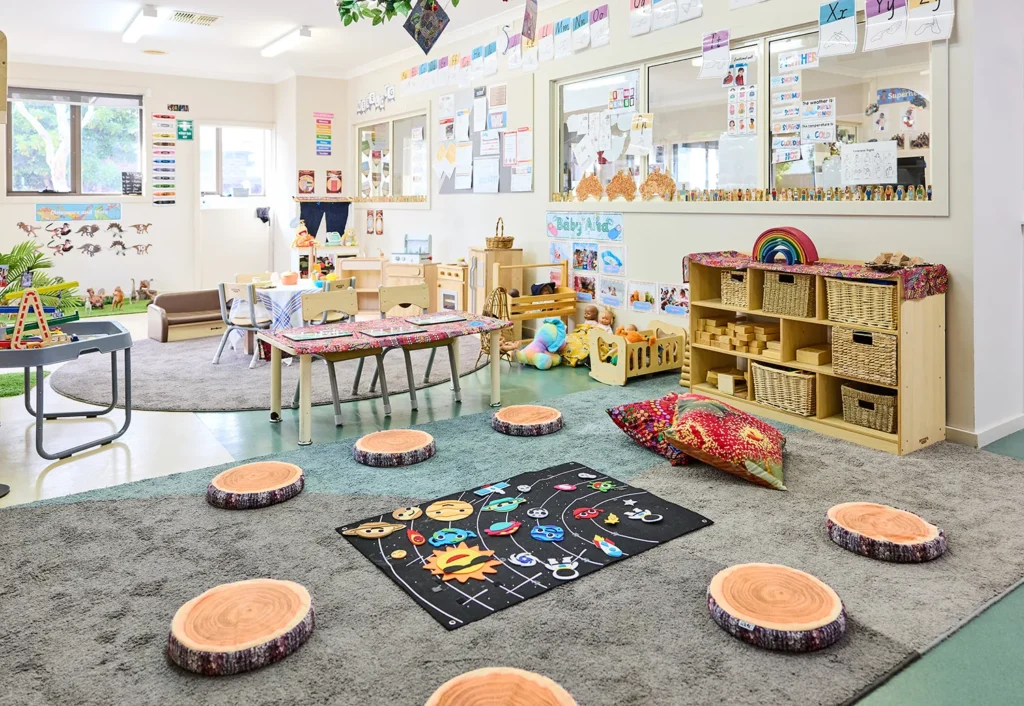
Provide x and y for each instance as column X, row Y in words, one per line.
column 180, row 377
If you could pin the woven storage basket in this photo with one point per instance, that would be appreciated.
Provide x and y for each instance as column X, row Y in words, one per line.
column 500, row 241
column 734, row 288
column 792, row 391
column 788, row 294
column 867, row 409
column 864, row 303
column 864, row 355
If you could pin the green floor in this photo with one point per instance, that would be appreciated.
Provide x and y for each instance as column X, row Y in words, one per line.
column 980, row 663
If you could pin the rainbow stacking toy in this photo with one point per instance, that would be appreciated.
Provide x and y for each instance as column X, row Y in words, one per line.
column 790, row 244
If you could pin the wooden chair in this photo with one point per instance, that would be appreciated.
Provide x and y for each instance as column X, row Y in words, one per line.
column 254, row 277
column 246, row 320
column 405, row 297
column 343, row 301
column 336, row 285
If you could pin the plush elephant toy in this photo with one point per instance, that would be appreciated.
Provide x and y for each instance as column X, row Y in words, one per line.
column 543, row 351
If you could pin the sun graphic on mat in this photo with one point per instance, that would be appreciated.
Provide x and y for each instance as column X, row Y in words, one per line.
column 462, row 563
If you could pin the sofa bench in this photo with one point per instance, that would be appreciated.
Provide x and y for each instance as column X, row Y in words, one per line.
column 178, row 316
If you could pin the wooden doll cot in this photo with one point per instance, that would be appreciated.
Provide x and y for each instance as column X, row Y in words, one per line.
column 641, row 358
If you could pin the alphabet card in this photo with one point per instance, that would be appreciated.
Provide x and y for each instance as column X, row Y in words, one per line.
column 930, row 20
column 886, row 24
column 837, row 28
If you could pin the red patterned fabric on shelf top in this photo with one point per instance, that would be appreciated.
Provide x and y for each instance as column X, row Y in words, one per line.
column 918, row 282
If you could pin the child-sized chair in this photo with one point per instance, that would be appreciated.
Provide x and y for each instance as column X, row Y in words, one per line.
column 342, row 301
column 404, row 297
column 243, row 298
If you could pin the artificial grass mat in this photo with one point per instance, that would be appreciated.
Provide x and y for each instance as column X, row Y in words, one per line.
column 13, row 384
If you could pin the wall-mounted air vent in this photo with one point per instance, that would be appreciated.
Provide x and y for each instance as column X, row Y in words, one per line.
column 194, row 18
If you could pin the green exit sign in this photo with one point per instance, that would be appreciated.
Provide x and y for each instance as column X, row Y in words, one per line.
column 185, row 130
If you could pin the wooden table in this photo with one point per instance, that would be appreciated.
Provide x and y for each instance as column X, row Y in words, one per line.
column 305, row 350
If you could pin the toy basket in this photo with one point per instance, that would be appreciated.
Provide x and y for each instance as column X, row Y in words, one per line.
column 788, row 390
column 864, row 355
column 734, row 288
column 788, row 294
column 868, row 409
column 500, row 241
column 864, row 303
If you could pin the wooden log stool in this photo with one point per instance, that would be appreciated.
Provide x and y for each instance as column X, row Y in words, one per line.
column 885, row 533
column 237, row 627
column 395, row 447
column 527, row 420
column 776, row 607
column 255, row 485
column 500, row 686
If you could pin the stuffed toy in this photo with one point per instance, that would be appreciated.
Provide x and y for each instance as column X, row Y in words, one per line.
column 543, row 351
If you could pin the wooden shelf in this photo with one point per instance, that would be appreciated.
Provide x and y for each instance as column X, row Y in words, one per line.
column 717, row 304
column 796, row 365
column 838, row 422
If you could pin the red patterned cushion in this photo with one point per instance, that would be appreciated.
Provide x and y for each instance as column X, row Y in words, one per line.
column 646, row 423
column 726, row 438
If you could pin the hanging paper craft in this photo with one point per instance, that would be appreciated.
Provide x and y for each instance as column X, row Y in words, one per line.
column 546, row 43
column 689, row 10
column 639, row 17
column 425, row 24
column 530, row 20
column 930, row 20
column 491, row 59
column 715, row 59
column 563, row 38
column 514, row 56
column 581, row 31
column 664, row 14
column 641, row 134
column 886, row 24
column 599, row 28
column 837, row 28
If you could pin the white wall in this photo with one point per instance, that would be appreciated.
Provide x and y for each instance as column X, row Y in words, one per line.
column 174, row 233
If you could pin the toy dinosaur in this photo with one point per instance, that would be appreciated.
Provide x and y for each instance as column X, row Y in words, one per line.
column 94, row 300
column 144, row 292
column 118, row 298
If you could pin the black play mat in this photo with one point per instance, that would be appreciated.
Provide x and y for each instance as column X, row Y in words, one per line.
column 489, row 586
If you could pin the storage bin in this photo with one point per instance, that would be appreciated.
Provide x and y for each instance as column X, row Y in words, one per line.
column 865, row 303
column 864, row 355
column 788, row 294
column 734, row 288
column 788, row 390
column 869, row 409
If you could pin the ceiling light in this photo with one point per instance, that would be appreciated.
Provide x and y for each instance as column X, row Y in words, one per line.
column 143, row 23
column 154, row 52
column 285, row 43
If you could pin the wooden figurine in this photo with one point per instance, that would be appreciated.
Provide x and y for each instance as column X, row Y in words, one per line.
column 921, row 188
column 775, row 194
column 899, row 193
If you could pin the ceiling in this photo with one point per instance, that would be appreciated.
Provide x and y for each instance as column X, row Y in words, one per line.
column 87, row 33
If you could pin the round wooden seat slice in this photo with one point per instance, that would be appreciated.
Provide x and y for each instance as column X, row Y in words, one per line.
column 237, row 627
column 255, row 485
column 885, row 533
column 527, row 420
column 500, row 686
column 394, row 447
column 776, row 607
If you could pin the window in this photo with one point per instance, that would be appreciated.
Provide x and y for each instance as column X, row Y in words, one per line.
column 393, row 159
column 411, row 171
column 879, row 95
column 233, row 161
column 375, row 160
column 69, row 142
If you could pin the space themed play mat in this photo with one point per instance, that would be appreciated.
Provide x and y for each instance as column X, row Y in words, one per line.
column 467, row 555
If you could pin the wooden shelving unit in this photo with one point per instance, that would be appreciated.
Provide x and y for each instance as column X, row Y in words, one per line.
column 921, row 362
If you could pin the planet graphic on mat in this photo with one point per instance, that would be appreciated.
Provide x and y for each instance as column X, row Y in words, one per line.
column 462, row 563
column 587, row 513
column 450, row 536
column 547, row 533
column 255, row 485
column 567, row 487
column 503, row 505
column 415, row 537
column 449, row 510
column 502, row 529
column 884, row 532
column 407, row 513
column 393, row 448
column 500, row 686
column 373, row 530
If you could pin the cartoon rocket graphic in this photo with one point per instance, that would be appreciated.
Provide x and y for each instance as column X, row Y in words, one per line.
column 607, row 546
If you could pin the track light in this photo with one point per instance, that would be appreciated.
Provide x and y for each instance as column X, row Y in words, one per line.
column 285, row 43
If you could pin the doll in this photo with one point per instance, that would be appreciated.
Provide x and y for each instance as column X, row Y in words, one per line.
column 605, row 320
column 590, row 315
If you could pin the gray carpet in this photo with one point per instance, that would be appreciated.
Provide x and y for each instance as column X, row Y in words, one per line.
column 91, row 581
column 180, row 377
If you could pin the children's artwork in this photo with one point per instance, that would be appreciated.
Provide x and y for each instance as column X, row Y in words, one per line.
column 425, row 24
column 674, row 299
column 837, row 28
column 585, row 226
column 546, row 42
column 307, row 181
column 689, row 10
column 611, row 260
column 664, row 14
column 881, row 123
column 930, row 20
column 78, row 212
column 640, row 17
column 612, row 292
column 886, row 24
column 642, row 296
column 530, row 20
column 334, row 181
column 581, row 31
column 584, row 256
column 797, row 60
column 600, row 30
column 560, row 251
column 641, row 134
column 715, row 57
column 439, row 579
column 585, row 287
column 869, row 163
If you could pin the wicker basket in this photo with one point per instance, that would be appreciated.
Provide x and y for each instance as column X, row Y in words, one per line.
column 734, row 288
column 500, row 241
column 864, row 355
column 791, row 391
column 867, row 409
column 864, row 303
column 788, row 294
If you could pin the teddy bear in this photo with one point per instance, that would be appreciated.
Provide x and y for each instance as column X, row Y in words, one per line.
column 544, row 351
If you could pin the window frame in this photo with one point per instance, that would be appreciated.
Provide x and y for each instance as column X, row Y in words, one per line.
column 375, row 118
column 207, row 197
column 76, row 145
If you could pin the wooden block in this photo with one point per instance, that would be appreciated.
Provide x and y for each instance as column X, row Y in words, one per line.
column 745, row 328
column 723, row 337
column 713, row 374
column 732, row 384
column 725, row 345
column 772, row 355
column 705, row 338
column 745, row 337
column 756, row 346
column 741, row 348
column 814, row 355
column 766, row 337
column 717, row 320
column 766, row 328
column 773, row 345
column 717, row 330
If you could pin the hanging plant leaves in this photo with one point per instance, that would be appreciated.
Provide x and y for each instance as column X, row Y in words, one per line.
column 425, row 24
column 377, row 12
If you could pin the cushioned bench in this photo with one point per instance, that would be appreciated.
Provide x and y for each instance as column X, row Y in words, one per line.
column 177, row 316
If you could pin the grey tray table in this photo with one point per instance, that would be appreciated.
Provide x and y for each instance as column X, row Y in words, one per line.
column 96, row 337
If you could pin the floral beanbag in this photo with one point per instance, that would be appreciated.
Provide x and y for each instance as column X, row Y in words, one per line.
column 728, row 439
column 646, row 423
